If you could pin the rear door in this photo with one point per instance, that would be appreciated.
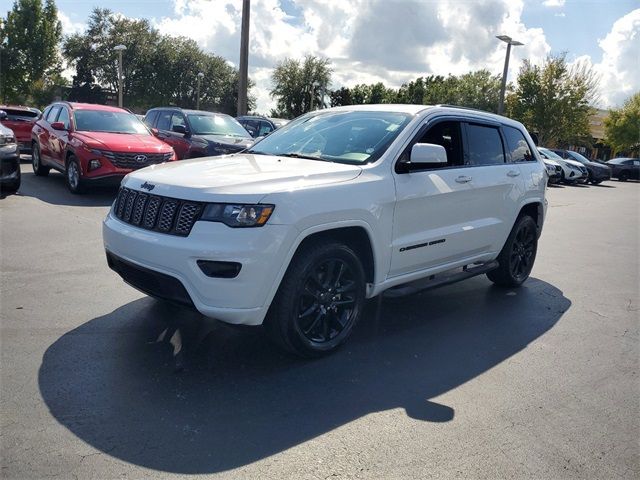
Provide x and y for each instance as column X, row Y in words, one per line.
column 58, row 139
column 44, row 133
column 166, row 120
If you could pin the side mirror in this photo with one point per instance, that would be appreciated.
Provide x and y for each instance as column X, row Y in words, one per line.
column 3, row 115
column 58, row 126
column 154, row 131
column 180, row 129
column 428, row 153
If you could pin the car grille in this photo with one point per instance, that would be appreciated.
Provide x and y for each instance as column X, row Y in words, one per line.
column 153, row 212
column 136, row 160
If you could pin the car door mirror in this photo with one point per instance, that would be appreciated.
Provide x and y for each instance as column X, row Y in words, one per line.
column 58, row 126
column 154, row 131
column 3, row 115
column 428, row 153
column 180, row 129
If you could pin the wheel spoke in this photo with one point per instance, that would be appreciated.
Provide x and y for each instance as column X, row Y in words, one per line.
column 313, row 324
column 336, row 282
column 309, row 292
column 346, row 287
column 314, row 307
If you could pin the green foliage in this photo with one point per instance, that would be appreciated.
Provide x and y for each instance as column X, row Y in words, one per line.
column 554, row 101
column 157, row 69
column 29, row 37
column 622, row 127
column 298, row 86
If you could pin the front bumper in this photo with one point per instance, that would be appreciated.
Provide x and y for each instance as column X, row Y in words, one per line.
column 9, row 165
column 244, row 299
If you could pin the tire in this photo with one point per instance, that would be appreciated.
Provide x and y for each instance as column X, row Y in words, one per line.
column 596, row 182
column 518, row 254
column 36, row 161
column 73, row 175
column 319, row 301
column 623, row 177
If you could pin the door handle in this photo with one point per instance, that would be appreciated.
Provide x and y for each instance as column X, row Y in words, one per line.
column 513, row 173
column 463, row 179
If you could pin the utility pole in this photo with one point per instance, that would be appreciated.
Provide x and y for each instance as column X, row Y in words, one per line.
column 119, row 49
column 509, row 41
column 200, row 77
column 244, row 59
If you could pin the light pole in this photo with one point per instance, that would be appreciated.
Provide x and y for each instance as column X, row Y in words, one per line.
column 244, row 59
column 200, row 77
column 314, row 85
column 509, row 41
column 119, row 49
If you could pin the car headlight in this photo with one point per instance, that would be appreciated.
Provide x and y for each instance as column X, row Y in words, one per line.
column 7, row 139
column 237, row 215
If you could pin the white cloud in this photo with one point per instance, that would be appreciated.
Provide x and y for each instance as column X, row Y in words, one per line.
column 366, row 40
column 69, row 27
column 619, row 68
column 553, row 3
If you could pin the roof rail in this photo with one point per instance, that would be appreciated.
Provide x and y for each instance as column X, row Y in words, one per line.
column 463, row 108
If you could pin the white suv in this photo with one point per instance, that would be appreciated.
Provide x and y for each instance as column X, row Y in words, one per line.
column 334, row 208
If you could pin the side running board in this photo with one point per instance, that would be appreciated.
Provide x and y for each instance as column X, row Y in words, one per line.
column 440, row 280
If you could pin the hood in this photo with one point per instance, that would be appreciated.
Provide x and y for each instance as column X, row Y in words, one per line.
column 247, row 177
column 549, row 161
column 573, row 163
column 242, row 142
column 123, row 142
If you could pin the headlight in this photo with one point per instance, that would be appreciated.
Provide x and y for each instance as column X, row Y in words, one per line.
column 237, row 215
column 102, row 153
column 7, row 139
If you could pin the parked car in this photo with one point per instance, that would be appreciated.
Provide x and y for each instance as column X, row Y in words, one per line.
column 625, row 168
column 195, row 133
column 259, row 126
column 9, row 161
column 21, row 120
column 341, row 205
column 554, row 170
column 93, row 144
column 572, row 171
column 597, row 171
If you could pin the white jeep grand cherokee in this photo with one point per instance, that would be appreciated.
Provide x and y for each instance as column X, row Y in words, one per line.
column 334, row 208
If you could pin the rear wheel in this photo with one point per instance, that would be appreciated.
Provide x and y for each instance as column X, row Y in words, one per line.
column 623, row 177
column 319, row 300
column 36, row 161
column 518, row 254
column 73, row 175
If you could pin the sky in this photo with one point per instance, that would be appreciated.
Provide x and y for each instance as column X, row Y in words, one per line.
column 395, row 41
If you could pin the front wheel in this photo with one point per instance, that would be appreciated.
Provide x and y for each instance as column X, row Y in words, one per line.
column 73, row 175
column 36, row 162
column 319, row 300
column 518, row 254
column 623, row 176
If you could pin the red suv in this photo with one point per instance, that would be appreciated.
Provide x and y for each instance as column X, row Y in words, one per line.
column 93, row 144
column 21, row 120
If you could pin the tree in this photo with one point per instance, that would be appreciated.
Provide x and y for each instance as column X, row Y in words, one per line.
column 554, row 100
column 157, row 69
column 622, row 127
column 29, row 38
column 299, row 85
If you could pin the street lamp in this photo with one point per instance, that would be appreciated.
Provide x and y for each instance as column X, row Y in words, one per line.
column 200, row 77
column 314, row 85
column 119, row 49
column 509, row 41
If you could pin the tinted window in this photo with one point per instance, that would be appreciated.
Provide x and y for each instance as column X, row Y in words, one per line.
column 14, row 114
column 447, row 134
column 265, row 128
column 164, row 121
column 177, row 119
column 53, row 113
column 151, row 118
column 518, row 147
column 64, row 118
column 484, row 145
column 46, row 112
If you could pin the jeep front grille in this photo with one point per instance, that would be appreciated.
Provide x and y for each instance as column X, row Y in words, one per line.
column 157, row 213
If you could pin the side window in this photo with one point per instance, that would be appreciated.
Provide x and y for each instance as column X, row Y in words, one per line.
column 53, row 113
column 177, row 119
column 517, row 145
column 251, row 126
column 150, row 118
column 164, row 121
column 447, row 134
column 46, row 112
column 636, row 162
column 64, row 118
column 484, row 145
column 265, row 128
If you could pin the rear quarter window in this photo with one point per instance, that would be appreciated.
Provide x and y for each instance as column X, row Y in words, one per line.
column 517, row 145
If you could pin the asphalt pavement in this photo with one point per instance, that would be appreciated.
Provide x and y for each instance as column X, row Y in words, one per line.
column 466, row 381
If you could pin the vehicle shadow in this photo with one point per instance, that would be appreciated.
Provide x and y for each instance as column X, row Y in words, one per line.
column 241, row 400
column 52, row 189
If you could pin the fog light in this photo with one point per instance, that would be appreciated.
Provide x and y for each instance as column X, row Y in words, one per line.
column 94, row 164
column 219, row 269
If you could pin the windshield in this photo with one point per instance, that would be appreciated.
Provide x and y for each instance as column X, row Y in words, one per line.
column 108, row 121
column 203, row 124
column 578, row 157
column 346, row 137
column 549, row 154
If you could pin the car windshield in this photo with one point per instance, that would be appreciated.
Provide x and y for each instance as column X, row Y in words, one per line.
column 203, row 124
column 108, row 121
column 549, row 154
column 346, row 137
column 576, row 156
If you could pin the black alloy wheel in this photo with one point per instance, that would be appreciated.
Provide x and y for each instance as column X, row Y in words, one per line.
column 36, row 161
column 623, row 177
column 516, row 259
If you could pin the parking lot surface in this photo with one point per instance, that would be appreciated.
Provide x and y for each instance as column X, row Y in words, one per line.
column 467, row 381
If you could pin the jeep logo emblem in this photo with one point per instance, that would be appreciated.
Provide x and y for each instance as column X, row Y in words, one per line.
column 148, row 186
column 140, row 158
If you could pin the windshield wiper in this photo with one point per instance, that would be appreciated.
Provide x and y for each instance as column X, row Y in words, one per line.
column 298, row 155
column 256, row 152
